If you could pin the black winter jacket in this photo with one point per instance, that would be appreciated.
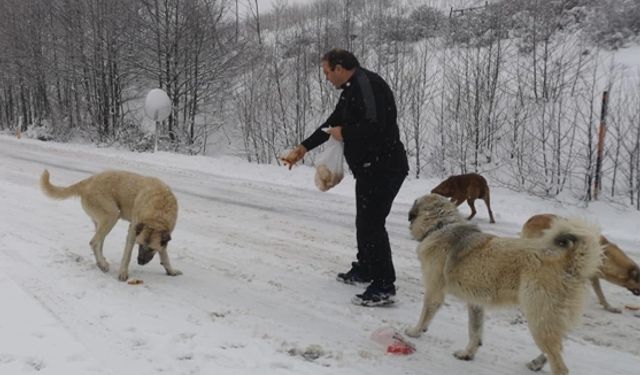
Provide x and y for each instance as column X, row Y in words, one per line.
column 367, row 113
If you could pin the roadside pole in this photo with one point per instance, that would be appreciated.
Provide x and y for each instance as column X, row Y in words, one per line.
column 597, row 185
column 157, row 107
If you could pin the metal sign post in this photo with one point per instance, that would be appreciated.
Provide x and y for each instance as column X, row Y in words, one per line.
column 155, row 120
column 157, row 107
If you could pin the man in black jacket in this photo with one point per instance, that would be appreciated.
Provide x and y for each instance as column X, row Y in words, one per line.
column 365, row 119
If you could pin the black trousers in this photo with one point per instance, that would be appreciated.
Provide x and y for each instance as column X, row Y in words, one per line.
column 374, row 196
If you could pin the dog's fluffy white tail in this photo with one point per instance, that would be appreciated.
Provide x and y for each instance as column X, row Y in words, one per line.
column 580, row 241
column 57, row 192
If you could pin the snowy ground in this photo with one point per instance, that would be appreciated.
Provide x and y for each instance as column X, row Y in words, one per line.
column 259, row 247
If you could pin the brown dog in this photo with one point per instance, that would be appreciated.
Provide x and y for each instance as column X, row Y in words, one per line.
column 467, row 187
column 617, row 268
column 545, row 276
column 145, row 202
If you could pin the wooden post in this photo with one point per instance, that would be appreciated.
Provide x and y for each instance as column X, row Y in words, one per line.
column 19, row 128
column 600, row 146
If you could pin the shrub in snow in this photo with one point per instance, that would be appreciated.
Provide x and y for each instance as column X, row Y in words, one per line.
column 131, row 136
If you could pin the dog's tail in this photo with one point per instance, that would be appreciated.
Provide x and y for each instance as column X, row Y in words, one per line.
column 57, row 192
column 580, row 243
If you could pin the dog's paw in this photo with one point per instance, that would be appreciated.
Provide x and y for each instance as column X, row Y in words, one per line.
column 413, row 332
column 123, row 276
column 464, row 355
column 614, row 310
column 174, row 272
column 104, row 266
column 538, row 363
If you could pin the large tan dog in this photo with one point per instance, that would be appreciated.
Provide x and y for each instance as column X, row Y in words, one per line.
column 617, row 268
column 145, row 202
column 546, row 277
column 466, row 187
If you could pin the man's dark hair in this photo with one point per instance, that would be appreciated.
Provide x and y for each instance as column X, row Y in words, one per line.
column 338, row 56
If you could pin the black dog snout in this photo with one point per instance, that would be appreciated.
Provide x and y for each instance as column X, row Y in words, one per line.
column 145, row 254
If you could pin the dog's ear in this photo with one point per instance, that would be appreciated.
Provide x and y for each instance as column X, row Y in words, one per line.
column 413, row 213
column 635, row 274
column 165, row 238
column 139, row 228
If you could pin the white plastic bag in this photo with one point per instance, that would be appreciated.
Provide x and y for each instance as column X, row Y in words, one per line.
column 329, row 169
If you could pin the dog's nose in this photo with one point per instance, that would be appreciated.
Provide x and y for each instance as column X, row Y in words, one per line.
column 145, row 255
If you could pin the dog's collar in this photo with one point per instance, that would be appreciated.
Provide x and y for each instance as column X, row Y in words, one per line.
column 441, row 224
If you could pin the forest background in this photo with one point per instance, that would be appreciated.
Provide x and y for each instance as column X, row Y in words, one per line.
column 511, row 89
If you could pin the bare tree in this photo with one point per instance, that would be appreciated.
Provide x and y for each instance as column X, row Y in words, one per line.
column 254, row 14
column 422, row 89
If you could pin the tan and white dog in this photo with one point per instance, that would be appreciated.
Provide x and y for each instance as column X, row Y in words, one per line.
column 545, row 277
column 617, row 268
column 145, row 202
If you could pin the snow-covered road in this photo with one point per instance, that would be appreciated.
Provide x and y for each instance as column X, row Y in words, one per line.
column 259, row 247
